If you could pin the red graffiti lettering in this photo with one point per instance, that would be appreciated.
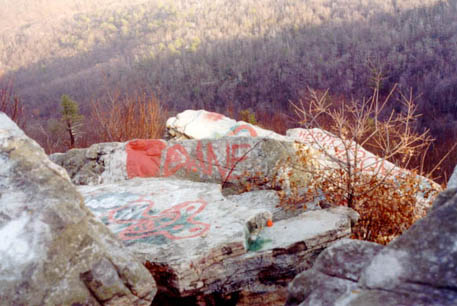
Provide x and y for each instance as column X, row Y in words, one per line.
column 177, row 158
column 213, row 117
column 143, row 157
column 236, row 157
column 201, row 159
column 152, row 158
column 242, row 128
column 212, row 160
column 173, row 223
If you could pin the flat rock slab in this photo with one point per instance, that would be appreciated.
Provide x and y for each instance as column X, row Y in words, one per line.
column 184, row 225
column 308, row 227
column 195, row 241
column 269, row 200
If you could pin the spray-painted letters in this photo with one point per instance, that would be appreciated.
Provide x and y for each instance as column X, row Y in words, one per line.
column 138, row 220
column 154, row 158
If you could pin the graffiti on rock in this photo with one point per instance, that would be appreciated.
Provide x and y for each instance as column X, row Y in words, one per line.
column 214, row 116
column 140, row 221
column 154, row 158
column 366, row 161
column 143, row 157
column 240, row 130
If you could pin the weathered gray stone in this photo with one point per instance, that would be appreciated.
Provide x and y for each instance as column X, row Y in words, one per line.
column 196, row 242
column 99, row 163
column 452, row 183
column 359, row 297
column 417, row 268
column 321, row 289
column 225, row 161
column 237, row 163
column 270, row 200
column 49, row 239
column 346, row 258
column 424, row 258
column 335, row 272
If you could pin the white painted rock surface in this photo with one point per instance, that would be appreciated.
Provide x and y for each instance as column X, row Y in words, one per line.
column 53, row 251
column 269, row 200
column 197, row 242
column 201, row 124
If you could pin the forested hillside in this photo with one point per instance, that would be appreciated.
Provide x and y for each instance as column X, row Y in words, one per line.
column 232, row 54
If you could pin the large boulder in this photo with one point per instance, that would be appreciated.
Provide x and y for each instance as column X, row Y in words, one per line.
column 334, row 152
column 417, row 268
column 197, row 243
column 237, row 163
column 53, row 251
column 201, row 124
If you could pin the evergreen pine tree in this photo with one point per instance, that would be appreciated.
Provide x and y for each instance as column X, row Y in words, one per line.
column 71, row 118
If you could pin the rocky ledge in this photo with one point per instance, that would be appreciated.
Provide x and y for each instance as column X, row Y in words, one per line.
column 199, row 220
column 417, row 268
column 53, row 251
column 197, row 243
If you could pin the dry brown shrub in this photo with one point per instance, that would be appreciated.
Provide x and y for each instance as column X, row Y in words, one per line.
column 124, row 118
column 11, row 104
column 387, row 204
column 387, row 201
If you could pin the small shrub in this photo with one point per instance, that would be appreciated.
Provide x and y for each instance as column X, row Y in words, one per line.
column 248, row 116
column 386, row 200
column 121, row 119
column 11, row 104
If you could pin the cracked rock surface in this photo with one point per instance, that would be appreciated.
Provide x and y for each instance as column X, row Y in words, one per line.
column 53, row 251
column 196, row 242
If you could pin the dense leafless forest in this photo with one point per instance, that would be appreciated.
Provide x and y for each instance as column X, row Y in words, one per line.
column 232, row 55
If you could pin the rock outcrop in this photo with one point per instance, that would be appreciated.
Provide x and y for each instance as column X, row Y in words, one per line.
column 221, row 150
column 199, row 244
column 53, row 251
column 237, row 163
column 176, row 204
column 201, row 124
column 417, row 268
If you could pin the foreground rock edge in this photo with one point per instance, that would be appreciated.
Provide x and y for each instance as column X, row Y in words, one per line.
column 51, row 243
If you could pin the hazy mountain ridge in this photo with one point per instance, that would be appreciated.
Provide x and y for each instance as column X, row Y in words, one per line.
column 79, row 26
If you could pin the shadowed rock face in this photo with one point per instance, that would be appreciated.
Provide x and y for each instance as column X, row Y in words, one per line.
column 418, row 268
column 52, row 250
